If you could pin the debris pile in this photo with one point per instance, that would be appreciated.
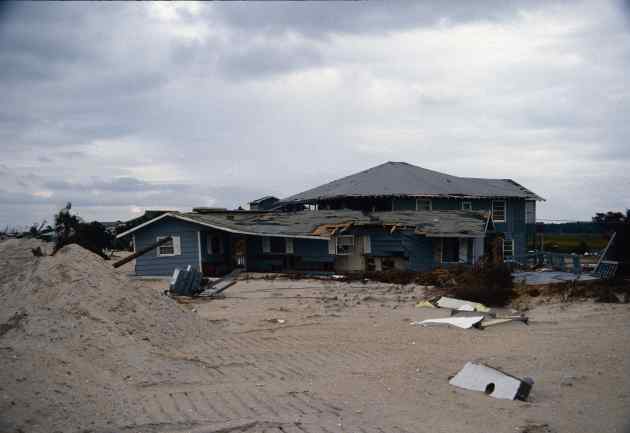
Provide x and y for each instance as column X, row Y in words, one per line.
column 185, row 282
column 481, row 316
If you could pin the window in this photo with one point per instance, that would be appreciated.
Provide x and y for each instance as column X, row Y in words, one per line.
column 498, row 211
column 423, row 204
column 530, row 212
column 274, row 245
column 278, row 245
column 170, row 248
column 345, row 245
column 466, row 205
column 387, row 264
column 450, row 250
column 508, row 248
column 215, row 245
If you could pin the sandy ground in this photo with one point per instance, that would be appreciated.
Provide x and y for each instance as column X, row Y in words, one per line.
column 103, row 353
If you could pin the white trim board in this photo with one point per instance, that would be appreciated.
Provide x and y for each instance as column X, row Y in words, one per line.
column 218, row 227
column 199, row 251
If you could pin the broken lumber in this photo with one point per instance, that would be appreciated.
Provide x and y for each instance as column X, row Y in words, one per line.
column 143, row 251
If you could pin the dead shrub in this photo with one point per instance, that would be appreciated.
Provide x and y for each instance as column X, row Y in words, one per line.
column 490, row 284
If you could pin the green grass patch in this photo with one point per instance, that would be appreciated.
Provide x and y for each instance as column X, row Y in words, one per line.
column 575, row 242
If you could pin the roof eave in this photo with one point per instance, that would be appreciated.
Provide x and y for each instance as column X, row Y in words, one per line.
column 218, row 227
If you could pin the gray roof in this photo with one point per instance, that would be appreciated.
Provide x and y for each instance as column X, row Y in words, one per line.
column 403, row 179
column 321, row 223
column 262, row 199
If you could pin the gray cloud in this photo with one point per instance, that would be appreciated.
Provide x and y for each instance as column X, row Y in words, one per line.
column 121, row 106
column 317, row 18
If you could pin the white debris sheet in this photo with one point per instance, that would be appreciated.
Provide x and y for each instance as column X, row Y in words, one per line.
column 495, row 383
column 461, row 305
column 454, row 304
column 459, row 322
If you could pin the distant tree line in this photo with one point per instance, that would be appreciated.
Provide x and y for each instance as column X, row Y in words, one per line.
column 579, row 227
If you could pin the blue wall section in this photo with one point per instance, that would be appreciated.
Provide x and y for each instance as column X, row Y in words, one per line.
column 420, row 252
column 311, row 254
column 386, row 244
column 312, row 250
column 150, row 264
column 417, row 249
column 514, row 227
column 308, row 253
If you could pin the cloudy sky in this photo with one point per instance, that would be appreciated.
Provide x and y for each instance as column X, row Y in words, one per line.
column 123, row 107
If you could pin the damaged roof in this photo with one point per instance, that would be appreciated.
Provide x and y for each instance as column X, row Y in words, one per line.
column 403, row 179
column 323, row 224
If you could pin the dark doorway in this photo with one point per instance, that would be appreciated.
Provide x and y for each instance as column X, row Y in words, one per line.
column 450, row 252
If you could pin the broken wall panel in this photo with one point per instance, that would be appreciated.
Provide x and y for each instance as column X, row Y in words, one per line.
column 495, row 383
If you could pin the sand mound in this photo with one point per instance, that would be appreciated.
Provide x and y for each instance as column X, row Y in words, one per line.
column 74, row 332
column 77, row 284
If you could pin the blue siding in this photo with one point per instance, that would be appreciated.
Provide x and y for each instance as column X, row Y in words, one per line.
column 308, row 253
column 514, row 227
column 312, row 250
column 386, row 244
column 420, row 252
column 150, row 264
column 311, row 254
column 417, row 249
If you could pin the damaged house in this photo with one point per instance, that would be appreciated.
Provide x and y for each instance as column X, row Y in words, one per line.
column 392, row 216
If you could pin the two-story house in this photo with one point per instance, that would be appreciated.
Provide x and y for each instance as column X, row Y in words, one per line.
column 399, row 186
column 393, row 216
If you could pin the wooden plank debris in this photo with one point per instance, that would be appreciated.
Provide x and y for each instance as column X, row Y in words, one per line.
column 141, row 252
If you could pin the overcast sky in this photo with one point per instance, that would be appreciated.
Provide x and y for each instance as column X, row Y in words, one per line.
column 123, row 107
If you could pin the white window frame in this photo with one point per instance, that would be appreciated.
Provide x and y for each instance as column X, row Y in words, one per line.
column 467, row 205
column 494, row 217
column 211, row 252
column 266, row 245
column 530, row 212
column 347, row 253
column 428, row 200
column 288, row 247
column 176, row 245
column 513, row 247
